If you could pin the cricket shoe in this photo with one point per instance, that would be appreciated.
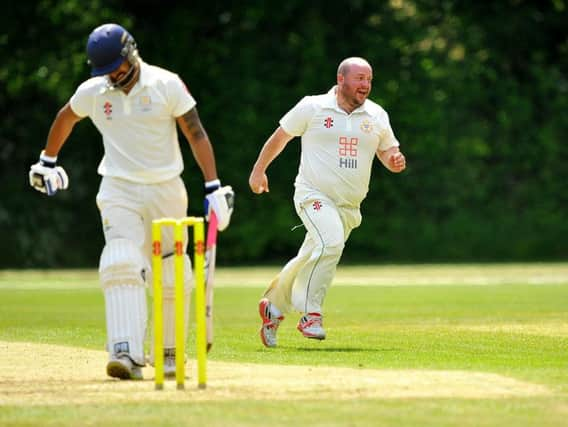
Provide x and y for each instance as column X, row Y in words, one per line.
column 270, row 323
column 170, row 362
column 121, row 366
column 311, row 326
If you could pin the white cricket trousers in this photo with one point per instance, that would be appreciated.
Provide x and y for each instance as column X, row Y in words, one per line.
column 128, row 208
column 303, row 282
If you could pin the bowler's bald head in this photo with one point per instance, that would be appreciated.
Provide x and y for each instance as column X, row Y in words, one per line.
column 348, row 63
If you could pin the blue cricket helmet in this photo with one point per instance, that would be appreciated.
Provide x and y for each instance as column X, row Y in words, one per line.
column 107, row 47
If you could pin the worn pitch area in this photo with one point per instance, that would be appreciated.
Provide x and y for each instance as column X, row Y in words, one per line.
column 39, row 374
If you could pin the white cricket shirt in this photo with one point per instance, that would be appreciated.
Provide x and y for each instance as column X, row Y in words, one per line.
column 338, row 148
column 139, row 129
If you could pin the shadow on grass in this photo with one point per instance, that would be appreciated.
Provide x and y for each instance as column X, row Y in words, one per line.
column 343, row 349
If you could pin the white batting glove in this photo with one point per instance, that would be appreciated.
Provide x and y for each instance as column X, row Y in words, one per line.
column 46, row 177
column 220, row 200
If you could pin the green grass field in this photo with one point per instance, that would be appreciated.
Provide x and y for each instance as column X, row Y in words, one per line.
column 470, row 345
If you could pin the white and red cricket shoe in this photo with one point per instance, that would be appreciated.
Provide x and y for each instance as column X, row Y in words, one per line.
column 310, row 325
column 270, row 323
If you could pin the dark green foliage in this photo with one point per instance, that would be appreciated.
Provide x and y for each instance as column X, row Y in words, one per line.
column 477, row 95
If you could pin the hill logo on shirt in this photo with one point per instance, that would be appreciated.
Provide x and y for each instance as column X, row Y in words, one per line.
column 348, row 152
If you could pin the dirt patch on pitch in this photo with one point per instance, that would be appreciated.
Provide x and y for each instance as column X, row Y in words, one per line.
column 32, row 374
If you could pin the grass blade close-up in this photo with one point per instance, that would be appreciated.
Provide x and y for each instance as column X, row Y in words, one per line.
column 425, row 345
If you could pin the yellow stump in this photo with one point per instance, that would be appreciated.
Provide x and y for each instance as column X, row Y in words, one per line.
column 158, row 305
column 199, row 268
column 201, row 331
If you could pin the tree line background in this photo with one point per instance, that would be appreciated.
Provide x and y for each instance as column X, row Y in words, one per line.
column 476, row 93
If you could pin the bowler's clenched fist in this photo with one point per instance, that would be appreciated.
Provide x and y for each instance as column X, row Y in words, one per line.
column 258, row 182
column 397, row 162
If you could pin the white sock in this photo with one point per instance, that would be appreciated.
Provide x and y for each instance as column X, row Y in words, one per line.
column 274, row 311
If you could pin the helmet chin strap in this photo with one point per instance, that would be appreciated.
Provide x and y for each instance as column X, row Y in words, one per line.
column 127, row 79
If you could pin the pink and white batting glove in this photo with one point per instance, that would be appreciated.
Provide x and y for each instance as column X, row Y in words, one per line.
column 219, row 200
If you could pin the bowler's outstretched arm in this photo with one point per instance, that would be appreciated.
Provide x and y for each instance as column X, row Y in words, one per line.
column 258, row 181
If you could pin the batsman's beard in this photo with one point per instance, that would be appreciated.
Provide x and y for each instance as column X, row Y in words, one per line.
column 127, row 80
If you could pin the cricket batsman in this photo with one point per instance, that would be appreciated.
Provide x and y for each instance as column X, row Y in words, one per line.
column 137, row 108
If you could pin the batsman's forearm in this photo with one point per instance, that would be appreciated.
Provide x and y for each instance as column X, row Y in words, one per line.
column 201, row 147
column 205, row 158
column 57, row 136
column 60, row 130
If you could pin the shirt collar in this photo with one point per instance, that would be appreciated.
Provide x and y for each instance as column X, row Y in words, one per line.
column 144, row 77
column 331, row 102
column 145, row 74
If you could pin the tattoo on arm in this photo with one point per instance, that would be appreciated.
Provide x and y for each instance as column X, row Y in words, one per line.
column 191, row 119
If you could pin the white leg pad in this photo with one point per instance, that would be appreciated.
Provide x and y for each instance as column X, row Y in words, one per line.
column 121, row 273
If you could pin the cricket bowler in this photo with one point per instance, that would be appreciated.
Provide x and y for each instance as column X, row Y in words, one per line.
column 341, row 133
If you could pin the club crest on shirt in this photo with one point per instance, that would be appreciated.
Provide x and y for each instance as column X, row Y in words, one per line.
column 366, row 126
column 145, row 103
